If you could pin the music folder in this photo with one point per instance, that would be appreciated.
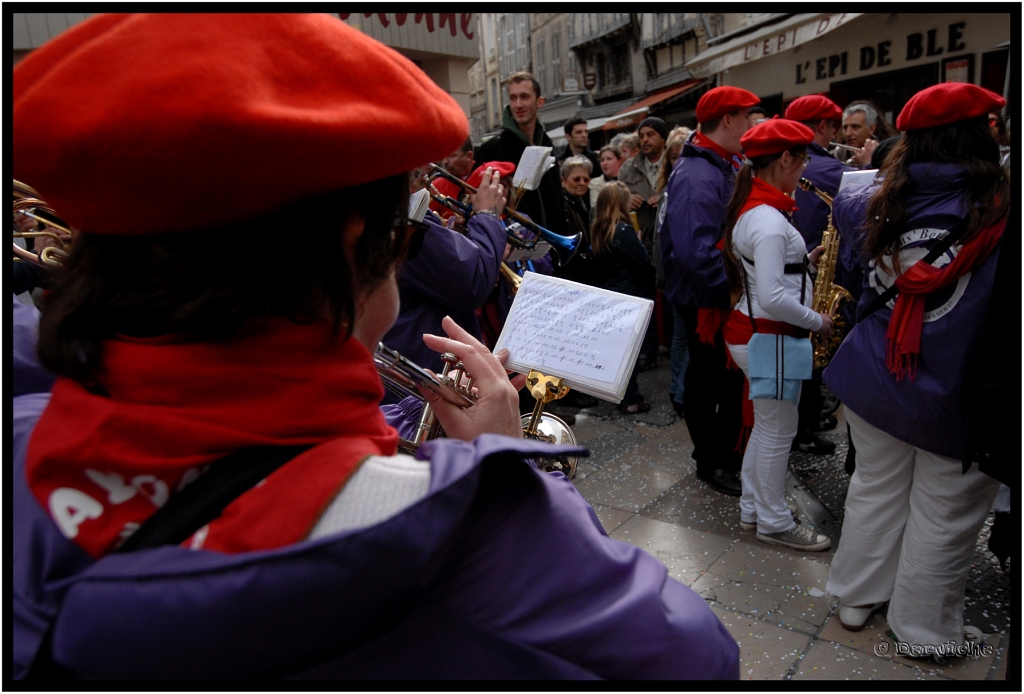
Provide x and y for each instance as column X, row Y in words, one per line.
column 589, row 337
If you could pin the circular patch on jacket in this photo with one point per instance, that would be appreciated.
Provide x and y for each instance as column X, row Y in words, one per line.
column 915, row 245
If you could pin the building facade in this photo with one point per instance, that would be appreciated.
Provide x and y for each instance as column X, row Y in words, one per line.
column 883, row 57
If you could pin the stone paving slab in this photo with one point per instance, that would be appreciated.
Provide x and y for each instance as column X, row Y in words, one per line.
column 686, row 553
column 623, row 483
column 770, row 585
column 767, row 652
column 830, row 661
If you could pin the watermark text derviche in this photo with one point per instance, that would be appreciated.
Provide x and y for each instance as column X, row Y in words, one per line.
column 968, row 649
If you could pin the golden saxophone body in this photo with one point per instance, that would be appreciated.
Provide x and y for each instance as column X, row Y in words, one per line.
column 828, row 297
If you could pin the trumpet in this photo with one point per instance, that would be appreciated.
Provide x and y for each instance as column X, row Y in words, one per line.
column 50, row 256
column 565, row 246
column 402, row 377
column 847, row 147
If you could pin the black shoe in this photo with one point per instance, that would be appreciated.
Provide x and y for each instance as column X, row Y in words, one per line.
column 677, row 406
column 723, row 481
column 829, row 401
column 1000, row 539
column 828, row 423
column 815, row 445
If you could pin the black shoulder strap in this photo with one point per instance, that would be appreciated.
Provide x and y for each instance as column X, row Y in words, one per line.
column 954, row 235
column 184, row 513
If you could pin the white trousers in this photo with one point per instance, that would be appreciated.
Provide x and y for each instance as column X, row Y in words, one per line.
column 765, row 461
column 912, row 520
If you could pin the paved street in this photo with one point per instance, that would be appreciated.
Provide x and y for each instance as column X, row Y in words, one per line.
column 640, row 480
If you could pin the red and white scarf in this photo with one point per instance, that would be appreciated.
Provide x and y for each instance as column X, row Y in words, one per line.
column 101, row 464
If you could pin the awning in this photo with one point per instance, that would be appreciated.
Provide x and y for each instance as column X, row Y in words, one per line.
column 767, row 41
column 633, row 114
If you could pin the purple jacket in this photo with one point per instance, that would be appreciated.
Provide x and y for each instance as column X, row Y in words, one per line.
column 811, row 216
column 28, row 375
column 500, row 572
column 452, row 275
column 692, row 222
column 930, row 411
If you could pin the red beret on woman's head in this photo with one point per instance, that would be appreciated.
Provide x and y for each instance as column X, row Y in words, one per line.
column 813, row 107
column 774, row 136
column 504, row 168
column 722, row 100
column 947, row 103
column 134, row 124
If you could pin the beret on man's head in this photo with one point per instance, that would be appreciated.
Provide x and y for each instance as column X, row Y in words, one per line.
column 722, row 100
column 656, row 124
column 504, row 168
column 134, row 124
column 774, row 136
column 947, row 103
column 813, row 107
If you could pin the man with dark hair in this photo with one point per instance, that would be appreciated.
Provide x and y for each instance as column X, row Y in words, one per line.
column 692, row 220
column 459, row 163
column 520, row 128
column 576, row 134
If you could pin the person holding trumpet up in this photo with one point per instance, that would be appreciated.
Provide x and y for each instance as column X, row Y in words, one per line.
column 210, row 490
column 452, row 274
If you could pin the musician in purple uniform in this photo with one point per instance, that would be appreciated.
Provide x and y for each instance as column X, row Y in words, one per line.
column 912, row 513
column 690, row 224
column 179, row 337
column 451, row 275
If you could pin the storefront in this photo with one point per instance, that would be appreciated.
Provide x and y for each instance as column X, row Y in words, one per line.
column 885, row 58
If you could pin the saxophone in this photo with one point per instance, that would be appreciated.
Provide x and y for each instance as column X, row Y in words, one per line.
column 828, row 297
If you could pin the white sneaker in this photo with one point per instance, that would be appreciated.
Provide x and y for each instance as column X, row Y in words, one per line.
column 797, row 537
column 793, row 511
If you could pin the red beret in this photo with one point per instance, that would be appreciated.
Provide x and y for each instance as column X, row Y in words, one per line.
column 722, row 100
column 148, row 123
column 774, row 136
column 947, row 103
column 813, row 107
column 504, row 168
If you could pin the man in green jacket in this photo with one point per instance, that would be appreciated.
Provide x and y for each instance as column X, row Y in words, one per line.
column 521, row 128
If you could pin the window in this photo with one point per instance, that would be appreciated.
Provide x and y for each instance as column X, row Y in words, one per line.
column 542, row 74
column 556, row 62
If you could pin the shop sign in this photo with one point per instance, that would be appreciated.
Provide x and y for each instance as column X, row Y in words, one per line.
column 918, row 45
column 590, row 80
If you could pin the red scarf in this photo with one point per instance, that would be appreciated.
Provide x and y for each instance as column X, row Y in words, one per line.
column 702, row 140
column 903, row 336
column 101, row 464
column 762, row 193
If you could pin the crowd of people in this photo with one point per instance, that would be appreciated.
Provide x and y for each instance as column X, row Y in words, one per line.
column 205, row 462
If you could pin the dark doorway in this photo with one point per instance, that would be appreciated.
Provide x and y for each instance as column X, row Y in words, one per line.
column 890, row 90
column 993, row 70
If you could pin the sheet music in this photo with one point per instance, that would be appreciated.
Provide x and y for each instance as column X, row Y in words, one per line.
column 588, row 336
column 532, row 161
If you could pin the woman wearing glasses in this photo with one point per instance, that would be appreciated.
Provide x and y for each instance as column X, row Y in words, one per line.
column 765, row 259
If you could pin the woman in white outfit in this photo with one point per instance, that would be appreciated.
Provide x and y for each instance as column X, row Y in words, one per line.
column 768, row 271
